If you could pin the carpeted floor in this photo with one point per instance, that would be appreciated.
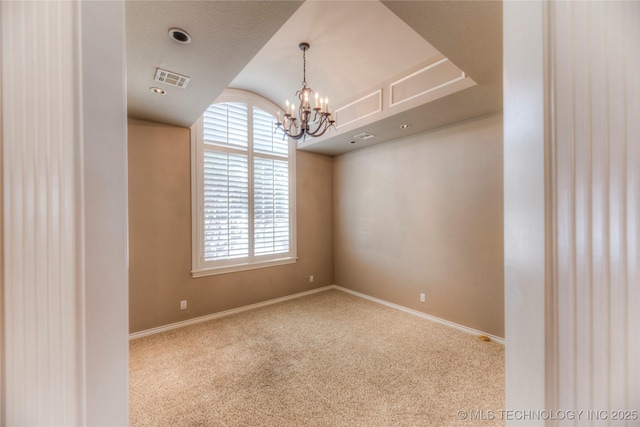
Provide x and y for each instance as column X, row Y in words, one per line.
column 327, row 359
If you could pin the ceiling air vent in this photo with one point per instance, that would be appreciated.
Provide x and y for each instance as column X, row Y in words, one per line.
column 171, row 79
column 363, row 136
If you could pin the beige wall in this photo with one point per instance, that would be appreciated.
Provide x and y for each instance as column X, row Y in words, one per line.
column 160, row 235
column 425, row 214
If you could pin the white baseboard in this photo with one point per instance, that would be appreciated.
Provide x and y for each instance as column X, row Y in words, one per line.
column 462, row 328
column 225, row 313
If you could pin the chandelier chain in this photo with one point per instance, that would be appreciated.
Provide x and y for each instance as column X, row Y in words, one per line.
column 304, row 67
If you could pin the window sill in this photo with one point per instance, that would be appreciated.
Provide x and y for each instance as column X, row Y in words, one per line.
column 242, row 267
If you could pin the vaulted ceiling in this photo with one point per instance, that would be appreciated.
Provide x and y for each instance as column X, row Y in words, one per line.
column 361, row 55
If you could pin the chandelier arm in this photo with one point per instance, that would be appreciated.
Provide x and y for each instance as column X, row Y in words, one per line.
column 321, row 127
column 317, row 133
column 290, row 133
column 296, row 137
column 292, row 125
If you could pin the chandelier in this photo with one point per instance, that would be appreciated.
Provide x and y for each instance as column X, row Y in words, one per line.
column 306, row 121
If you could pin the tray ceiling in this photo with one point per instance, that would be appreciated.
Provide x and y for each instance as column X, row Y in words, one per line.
column 356, row 46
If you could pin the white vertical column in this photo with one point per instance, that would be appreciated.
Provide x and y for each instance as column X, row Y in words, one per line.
column 104, row 162
column 578, row 62
column 43, row 275
column 2, row 347
column 596, row 182
column 525, row 215
column 64, row 200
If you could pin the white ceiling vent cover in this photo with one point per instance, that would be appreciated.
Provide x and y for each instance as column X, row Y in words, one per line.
column 171, row 78
column 363, row 136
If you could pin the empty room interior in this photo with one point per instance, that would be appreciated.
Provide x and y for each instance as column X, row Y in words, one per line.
column 363, row 213
column 383, row 210
column 400, row 200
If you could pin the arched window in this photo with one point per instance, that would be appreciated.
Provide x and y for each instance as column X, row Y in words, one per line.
column 243, row 189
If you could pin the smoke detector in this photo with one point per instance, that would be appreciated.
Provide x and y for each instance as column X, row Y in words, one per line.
column 172, row 79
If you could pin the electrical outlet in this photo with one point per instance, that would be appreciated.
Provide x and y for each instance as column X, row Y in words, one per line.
column 423, row 298
column 310, row 279
column 183, row 304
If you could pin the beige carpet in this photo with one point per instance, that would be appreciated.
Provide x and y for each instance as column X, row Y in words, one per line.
column 328, row 359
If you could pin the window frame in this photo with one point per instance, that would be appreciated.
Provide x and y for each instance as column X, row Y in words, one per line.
column 200, row 267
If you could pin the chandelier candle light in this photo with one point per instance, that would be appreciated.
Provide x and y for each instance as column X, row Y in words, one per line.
column 311, row 122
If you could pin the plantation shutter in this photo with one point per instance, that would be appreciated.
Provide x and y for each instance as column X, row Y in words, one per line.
column 265, row 140
column 226, row 182
column 245, row 213
column 226, row 124
column 226, row 205
column 271, row 206
column 270, row 186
